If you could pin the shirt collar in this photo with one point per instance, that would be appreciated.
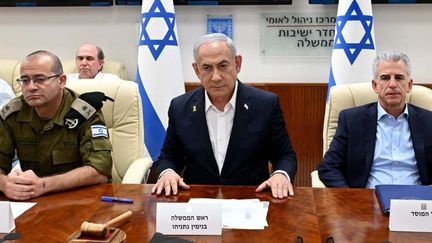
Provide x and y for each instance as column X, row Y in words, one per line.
column 231, row 102
column 382, row 112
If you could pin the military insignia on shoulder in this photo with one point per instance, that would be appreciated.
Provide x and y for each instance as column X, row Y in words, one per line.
column 11, row 107
column 99, row 131
column 71, row 123
column 84, row 108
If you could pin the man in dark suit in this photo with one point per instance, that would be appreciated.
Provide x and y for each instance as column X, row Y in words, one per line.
column 225, row 132
column 386, row 142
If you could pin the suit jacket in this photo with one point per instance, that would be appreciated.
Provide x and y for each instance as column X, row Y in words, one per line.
column 348, row 161
column 258, row 136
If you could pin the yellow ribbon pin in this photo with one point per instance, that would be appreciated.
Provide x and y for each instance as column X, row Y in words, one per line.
column 194, row 108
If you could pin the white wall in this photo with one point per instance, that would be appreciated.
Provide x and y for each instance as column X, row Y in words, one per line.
column 407, row 28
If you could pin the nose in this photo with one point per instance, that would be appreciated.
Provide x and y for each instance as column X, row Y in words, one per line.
column 392, row 82
column 31, row 85
column 216, row 77
column 83, row 61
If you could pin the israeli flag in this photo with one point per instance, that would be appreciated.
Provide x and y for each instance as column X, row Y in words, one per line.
column 159, row 74
column 354, row 43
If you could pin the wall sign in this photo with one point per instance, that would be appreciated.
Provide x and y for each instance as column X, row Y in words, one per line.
column 297, row 34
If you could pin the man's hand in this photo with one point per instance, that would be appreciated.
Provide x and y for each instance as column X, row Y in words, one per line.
column 279, row 184
column 18, row 187
column 169, row 181
column 39, row 183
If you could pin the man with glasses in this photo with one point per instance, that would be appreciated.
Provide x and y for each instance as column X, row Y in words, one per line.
column 54, row 156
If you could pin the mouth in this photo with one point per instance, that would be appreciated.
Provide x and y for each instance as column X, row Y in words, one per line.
column 32, row 97
column 392, row 94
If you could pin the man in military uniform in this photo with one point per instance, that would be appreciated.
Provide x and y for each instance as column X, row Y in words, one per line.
column 61, row 139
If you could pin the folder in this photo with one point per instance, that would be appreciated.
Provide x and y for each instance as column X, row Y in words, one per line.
column 414, row 192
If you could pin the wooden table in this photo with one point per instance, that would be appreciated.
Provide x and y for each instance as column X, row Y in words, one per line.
column 348, row 215
column 57, row 216
column 354, row 215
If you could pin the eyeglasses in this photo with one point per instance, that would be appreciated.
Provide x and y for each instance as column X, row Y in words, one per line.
column 23, row 81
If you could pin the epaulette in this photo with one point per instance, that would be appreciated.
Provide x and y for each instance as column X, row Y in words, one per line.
column 11, row 107
column 84, row 108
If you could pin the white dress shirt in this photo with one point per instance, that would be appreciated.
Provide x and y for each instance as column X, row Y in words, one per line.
column 100, row 75
column 394, row 159
column 219, row 124
column 6, row 93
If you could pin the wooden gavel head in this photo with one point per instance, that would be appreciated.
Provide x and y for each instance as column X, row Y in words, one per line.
column 93, row 229
column 101, row 230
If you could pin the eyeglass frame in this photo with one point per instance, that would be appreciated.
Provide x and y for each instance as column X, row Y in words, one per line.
column 37, row 82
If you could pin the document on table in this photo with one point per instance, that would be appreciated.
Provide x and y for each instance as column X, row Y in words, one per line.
column 240, row 213
column 19, row 208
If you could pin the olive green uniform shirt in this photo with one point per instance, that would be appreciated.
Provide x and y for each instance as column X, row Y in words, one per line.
column 46, row 146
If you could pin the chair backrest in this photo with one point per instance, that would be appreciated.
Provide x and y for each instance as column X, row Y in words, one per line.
column 346, row 96
column 9, row 71
column 110, row 66
column 123, row 118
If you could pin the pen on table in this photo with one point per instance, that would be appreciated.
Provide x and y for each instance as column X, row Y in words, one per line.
column 116, row 199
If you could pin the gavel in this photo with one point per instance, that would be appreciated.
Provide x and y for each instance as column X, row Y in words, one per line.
column 101, row 230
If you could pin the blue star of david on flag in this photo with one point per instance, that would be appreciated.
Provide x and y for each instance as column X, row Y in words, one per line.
column 352, row 50
column 156, row 46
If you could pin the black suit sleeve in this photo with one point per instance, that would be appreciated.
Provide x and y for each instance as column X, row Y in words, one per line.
column 331, row 168
column 283, row 156
column 171, row 156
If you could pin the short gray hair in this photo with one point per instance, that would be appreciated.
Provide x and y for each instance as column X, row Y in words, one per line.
column 391, row 56
column 214, row 37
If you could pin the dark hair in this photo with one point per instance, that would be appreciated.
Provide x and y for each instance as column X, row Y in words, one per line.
column 100, row 54
column 56, row 67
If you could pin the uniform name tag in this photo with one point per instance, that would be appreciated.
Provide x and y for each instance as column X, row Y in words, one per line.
column 99, row 131
column 189, row 219
column 410, row 215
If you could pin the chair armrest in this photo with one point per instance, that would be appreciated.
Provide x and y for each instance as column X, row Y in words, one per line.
column 137, row 171
column 316, row 182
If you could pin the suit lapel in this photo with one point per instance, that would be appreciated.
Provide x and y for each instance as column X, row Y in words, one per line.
column 244, row 107
column 417, row 141
column 370, row 124
column 199, row 122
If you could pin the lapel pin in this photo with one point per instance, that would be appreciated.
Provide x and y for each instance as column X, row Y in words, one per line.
column 194, row 108
column 246, row 107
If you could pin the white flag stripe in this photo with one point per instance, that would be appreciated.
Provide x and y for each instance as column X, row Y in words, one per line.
column 354, row 45
column 166, row 81
column 159, row 69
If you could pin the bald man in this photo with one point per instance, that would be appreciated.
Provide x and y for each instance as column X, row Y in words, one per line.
column 89, row 62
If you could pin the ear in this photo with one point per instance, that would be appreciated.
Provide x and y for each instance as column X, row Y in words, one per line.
column 375, row 86
column 410, row 85
column 62, row 78
column 101, row 63
column 238, row 62
column 195, row 67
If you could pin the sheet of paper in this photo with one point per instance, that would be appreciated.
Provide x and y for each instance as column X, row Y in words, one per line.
column 240, row 213
column 19, row 208
column 7, row 222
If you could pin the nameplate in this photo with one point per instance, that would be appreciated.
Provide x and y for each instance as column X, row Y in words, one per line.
column 7, row 222
column 189, row 219
column 411, row 215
